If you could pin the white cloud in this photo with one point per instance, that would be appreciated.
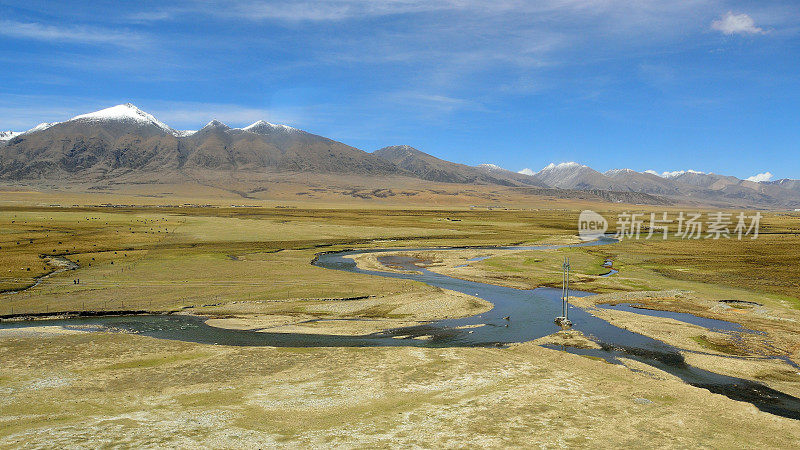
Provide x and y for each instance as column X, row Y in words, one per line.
column 766, row 176
column 442, row 103
column 527, row 171
column 732, row 23
column 73, row 34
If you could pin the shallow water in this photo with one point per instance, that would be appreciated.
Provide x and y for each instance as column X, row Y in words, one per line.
column 711, row 324
column 530, row 313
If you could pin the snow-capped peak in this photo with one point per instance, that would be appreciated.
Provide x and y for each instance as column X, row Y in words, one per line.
column 42, row 126
column 527, row 171
column 678, row 173
column 261, row 124
column 184, row 133
column 613, row 172
column 6, row 135
column 215, row 123
column 563, row 165
column 675, row 173
column 488, row 166
column 127, row 113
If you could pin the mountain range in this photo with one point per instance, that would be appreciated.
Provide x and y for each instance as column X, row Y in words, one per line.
column 124, row 142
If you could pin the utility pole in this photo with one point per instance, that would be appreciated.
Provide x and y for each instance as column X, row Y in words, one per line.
column 563, row 320
column 566, row 294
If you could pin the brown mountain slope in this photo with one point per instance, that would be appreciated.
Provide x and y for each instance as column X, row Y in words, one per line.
column 89, row 148
column 105, row 145
column 431, row 168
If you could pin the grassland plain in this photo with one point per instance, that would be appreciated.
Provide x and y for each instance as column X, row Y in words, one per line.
column 90, row 388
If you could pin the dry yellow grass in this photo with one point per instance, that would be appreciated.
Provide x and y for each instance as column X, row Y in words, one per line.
column 98, row 388
column 106, row 389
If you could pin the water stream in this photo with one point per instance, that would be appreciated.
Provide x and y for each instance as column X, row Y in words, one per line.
column 517, row 316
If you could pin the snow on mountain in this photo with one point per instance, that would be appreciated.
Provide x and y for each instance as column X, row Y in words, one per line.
column 42, row 126
column 491, row 167
column 562, row 166
column 215, row 123
column 613, row 172
column 184, row 133
column 6, row 135
column 262, row 125
column 647, row 182
column 527, row 171
column 572, row 175
column 126, row 113
column 675, row 173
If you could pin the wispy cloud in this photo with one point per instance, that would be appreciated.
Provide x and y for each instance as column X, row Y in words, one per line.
column 70, row 34
column 314, row 11
column 438, row 102
column 609, row 12
column 335, row 10
column 732, row 23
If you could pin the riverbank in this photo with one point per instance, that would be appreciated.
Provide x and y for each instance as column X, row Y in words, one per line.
column 183, row 394
column 129, row 389
column 348, row 317
column 769, row 356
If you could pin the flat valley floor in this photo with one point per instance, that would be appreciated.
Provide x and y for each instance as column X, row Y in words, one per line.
column 250, row 268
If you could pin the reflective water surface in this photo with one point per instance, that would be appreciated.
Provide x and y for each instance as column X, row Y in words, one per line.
column 530, row 316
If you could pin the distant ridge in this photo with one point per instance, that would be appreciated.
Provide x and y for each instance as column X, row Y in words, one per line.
column 124, row 140
column 431, row 168
column 125, row 143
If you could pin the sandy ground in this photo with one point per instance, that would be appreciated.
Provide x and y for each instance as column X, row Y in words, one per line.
column 366, row 315
column 307, row 325
column 40, row 330
column 127, row 390
column 566, row 338
column 454, row 264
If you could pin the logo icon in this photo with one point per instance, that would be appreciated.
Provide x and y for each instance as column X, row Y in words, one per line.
column 591, row 225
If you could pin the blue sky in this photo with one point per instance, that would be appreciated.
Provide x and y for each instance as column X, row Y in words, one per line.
column 710, row 85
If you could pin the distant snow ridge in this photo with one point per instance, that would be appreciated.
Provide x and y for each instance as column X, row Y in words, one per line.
column 42, row 126
column 127, row 112
column 564, row 165
column 527, row 171
column 675, row 173
column 618, row 171
column 215, row 123
column 6, row 135
column 678, row 173
column 493, row 167
column 261, row 124
column 130, row 113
